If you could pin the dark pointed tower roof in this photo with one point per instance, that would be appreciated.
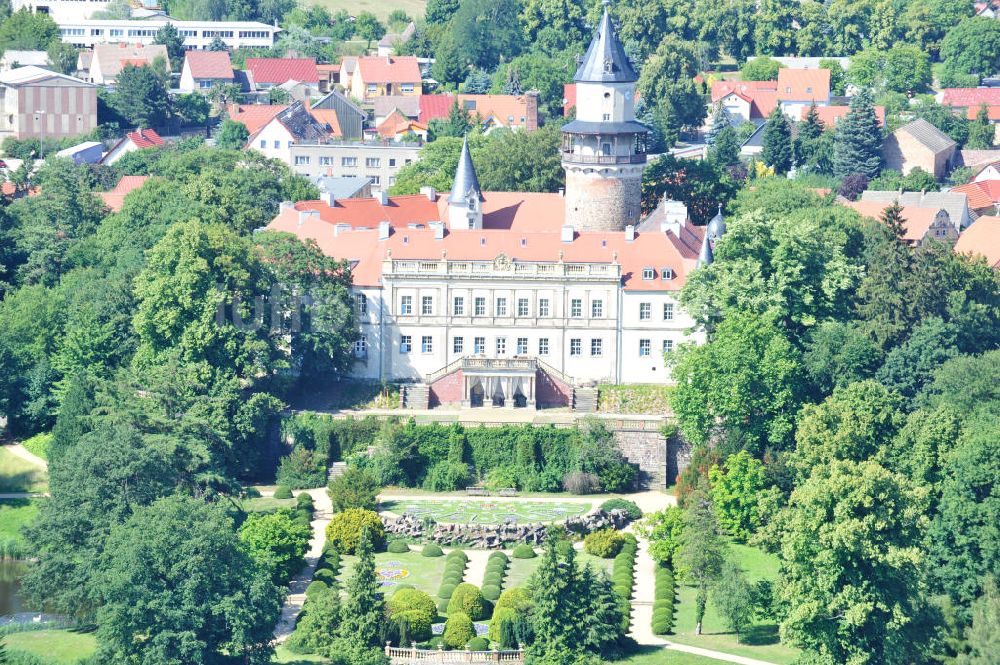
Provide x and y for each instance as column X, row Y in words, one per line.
column 466, row 180
column 705, row 256
column 717, row 227
column 605, row 60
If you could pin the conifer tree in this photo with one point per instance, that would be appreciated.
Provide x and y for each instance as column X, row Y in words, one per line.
column 719, row 122
column 812, row 127
column 364, row 608
column 726, row 149
column 858, row 140
column 702, row 549
column 777, row 151
column 882, row 302
column 981, row 132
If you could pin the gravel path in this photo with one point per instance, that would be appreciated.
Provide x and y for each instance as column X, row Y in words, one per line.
column 643, row 594
column 716, row 655
column 18, row 450
column 476, row 570
column 297, row 587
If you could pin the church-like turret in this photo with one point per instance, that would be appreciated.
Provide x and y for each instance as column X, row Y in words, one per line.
column 465, row 210
column 604, row 149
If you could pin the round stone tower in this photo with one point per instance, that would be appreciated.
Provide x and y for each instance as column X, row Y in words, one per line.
column 604, row 149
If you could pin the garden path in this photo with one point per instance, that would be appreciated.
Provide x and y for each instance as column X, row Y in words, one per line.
column 476, row 570
column 297, row 587
column 717, row 655
column 649, row 501
column 642, row 597
column 18, row 450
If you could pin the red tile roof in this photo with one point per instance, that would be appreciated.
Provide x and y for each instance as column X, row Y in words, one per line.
column 916, row 220
column 275, row 71
column 328, row 117
column 500, row 107
column 761, row 95
column 254, row 116
column 992, row 112
column 116, row 197
column 335, row 68
column 144, row 138
column 982, row 194
column 396, row 123
column 389, row 69
column 803, row 84
column 831, row 115
column 982, row 239
column 970, row 96
column 209, row 64
column 525, row 227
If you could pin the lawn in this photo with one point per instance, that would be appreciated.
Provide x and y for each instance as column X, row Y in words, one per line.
column 661, row 656
column 381, row 8
column 409, row 568
column 761, row 641
column 487, row 511
column 521, row 569
column 14, row 514
column 38, row 445
column 286, row 657
column 265, row 504
column 55, row 646
column 18, row 475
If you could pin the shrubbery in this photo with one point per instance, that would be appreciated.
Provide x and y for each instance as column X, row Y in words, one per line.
column 634, row 513
column 447, row 477
column 478, row 644
column 605, row 543
column 315, row 587
column 325, row 575
column 581, row 482
column 354, row 488
column 454, row 573
column 344, row 530
column 276, row 541
column 283, row 492
column 458, row 630
column 432, row 550
column 468, row 599
column 663, row 602
column 524, row 551
column 398, row 547
column 623, row 574
column 417, row 609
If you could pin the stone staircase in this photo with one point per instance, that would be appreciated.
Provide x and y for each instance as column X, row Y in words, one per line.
column 415, row 396
column 585, row 400
column 336, row 469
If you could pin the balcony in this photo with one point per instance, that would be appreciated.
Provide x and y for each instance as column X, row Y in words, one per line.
column 569, row 156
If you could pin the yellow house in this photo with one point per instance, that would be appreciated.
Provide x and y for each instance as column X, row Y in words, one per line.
column 376, row 76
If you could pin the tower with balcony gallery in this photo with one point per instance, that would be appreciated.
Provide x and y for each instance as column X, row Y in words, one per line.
column 604, row 148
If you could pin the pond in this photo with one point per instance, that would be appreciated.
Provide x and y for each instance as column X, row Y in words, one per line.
column 11, row 573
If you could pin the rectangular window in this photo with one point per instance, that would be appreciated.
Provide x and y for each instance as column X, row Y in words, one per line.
column 426, row 344
column 522, row 307
column 480, row 306
column 392, row 161
column 479, row 345
column 643, row 347
column 263, row 144
column 501, row 346
column 647, row 273
column 668, row 345
column 375, row 179
column 576, row 308
column 543, row 307
column 406, row 88
column 543, row 346
column 575, row 346
column 276, row 145
column 427, row 305
column 596, row 347
column 522, row 345
column 326, row 161
column 404, row 343
column 458, row 345
column 361, row 347
column 406, row 305
column 348, row 161
column 501, row 309
column 597, row 309
column 668, row 311
column 645, row 311
column 205, row 84
column 458, row 308
column 301, row 160
column 361, row 302
column 372, row 89
column 373, row 162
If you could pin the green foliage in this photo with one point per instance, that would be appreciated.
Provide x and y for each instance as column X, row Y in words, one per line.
column 971, row 52
column 903, row 68
column 140, row 96
column 702, row 185
column 27, row 31
column 467, row 599
column 315, row 588
column 735, row 492
column 418, row 609
column 345, row 529
column 232, row 135
column 664, row 531
column 760, row 69
column 733, row 596
column 702, row 549
column 858, row 140
column 315, row 631
column 630, row 507
column 523, row 551
column 354, row 488
column 364, row 609
column 276, row 543
column 663, row 602
column 397, row 547
column 777, row 151
column 447, row 476
column 431, row 550
column 283, row 492
column 458, row 630
column 606, row 543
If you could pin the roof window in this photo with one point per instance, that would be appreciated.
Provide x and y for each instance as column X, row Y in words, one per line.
column 666, row 274
column 647, row 273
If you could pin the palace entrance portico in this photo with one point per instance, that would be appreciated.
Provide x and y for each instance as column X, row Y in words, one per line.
column 498, row 382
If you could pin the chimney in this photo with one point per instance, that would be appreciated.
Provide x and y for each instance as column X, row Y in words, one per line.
column 381, row 196
column 383, row 230
column 629, row 233
column 438, row 230
column 562, row 192
column 285, row 205
column 340, row 228
column 430, row 193
column 306, row 214
column 567, row 233
column 329, row 199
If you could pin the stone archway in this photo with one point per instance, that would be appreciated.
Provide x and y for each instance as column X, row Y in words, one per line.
column 477, row 394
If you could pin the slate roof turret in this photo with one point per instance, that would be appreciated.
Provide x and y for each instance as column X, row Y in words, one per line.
column 605, row 60
column 466, row 180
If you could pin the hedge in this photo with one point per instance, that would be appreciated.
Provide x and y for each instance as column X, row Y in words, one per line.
column 458, row 630
column 398, row 547
column 454, row 572
column 606, row 543
column 663, row 602
column 633, row 510
column 283, row 492
column 315, row 588
column 431, row 550
column 325, row 575
column 344, row 530
column 478, row 644
column 524, row 551
column 623, row 575
column 468, row 599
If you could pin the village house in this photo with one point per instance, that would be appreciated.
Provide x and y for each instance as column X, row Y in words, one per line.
column 378, row 160
column 291, row 125
column 140, row 139
column 387, row 45
column 103, row 65
column 919, row 144
column 88, row 152
column 329, row 76
column 349, row 118
column 398, row 127
column 831, row 115
column 984, row 196
column 922, row 223
column 115, row 198
column 205, row 69
column 386, row 105
column 800, row 88
column 267, row 73
column 956, row 204
column 744, row 101
column 982, row 239
column 388, row 75
column 509, row 111
column 38, row 103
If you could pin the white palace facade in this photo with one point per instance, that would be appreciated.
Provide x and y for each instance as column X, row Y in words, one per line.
column 517, row 299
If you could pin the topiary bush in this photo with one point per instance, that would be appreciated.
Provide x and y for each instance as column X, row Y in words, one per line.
column 458, row 630
column 417, row 608
column 663, row 601
column 446, row 591
column 581, row 482
column 524, row 551
column 282, row 492
column 316, row 587
column 458, row 554
column 432, row 550
column 478, row 644
column 398, row 547
column 467, row 599
column 606, row 543
column 325, row 575
column 442, row 605
column 515, row 598
column 491, row 591
column 418, row 623
column 501, row 615
column 498, row 557
column 401, row 587
column 344, row 530
column 633, row 510
column 305, row 500
column 492, row 578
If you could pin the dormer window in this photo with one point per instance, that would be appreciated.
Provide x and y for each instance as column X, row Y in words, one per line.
column 648, row 273
column 666, row 274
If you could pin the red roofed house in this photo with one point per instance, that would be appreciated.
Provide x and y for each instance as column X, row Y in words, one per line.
column 291, row 125
column 745, row 101
column 982, row 239
column 397, row 126
column 328, row 77
column 510, row 111
column 266, row 73
column 831, row 115
column 969, row 97
column 116, row 197
column 512, row 299
column 204, row 69
column 140, row 139
column 108, row 60
column 254, row 116
column 921, row 223
column 984, row 196
column 799, row 88
column 375, row 76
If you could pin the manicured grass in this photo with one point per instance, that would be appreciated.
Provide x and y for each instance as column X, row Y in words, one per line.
column 56, row 646
column 487, row 511
column 286, row 657
column 266, row 504
column 761, row 640
column 381, row 8
column 662, row 656
column 38, row 445
column 18, row 475
column 521, row 569
column 14, row 514
column 422, row 572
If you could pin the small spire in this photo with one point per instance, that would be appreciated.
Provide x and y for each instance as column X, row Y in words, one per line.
column 705, row 256
column 605, row 60
column 466, row 180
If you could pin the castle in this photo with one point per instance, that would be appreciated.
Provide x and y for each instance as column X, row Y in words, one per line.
column 517, row 299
